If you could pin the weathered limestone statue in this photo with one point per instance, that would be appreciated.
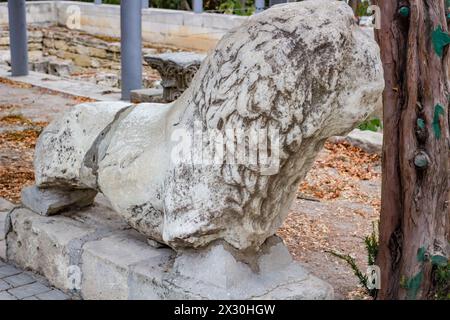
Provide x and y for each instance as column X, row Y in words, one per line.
column 299, row 72
column 304, row 69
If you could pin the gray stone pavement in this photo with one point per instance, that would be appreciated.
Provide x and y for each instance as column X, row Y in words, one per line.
column 16, row 284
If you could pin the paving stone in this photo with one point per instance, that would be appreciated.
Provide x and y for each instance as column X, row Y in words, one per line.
column 20, row 279
column 7, row 270
column 53, row 295
column 4, row 295
column 26, row 286
column 4, row 285
column 29, row 290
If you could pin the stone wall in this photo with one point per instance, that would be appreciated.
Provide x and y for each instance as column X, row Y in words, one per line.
column 83, row 49
column 182, row 29
column 38, row 12
column 35, row 39
column 35, row 44
column 77, row 54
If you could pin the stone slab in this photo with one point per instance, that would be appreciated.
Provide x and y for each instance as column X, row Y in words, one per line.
column 52, row 246
column 18, row 280
column 107, row 265
column 366, row 140
column 146, row 95
column 181, row 59
column 3, row 249
column 5, row 205
column 47, row 246
column 4, row 285
column 5, row 208
column 67, row 86
column 93, row 254
column 52, row 295
column 369, row 141
column 4, row 295
column 49, row 202
column 29, row 290
column 8, row 270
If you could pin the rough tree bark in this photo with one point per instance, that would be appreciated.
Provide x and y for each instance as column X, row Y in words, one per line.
column 354, row 5
column 414, row 224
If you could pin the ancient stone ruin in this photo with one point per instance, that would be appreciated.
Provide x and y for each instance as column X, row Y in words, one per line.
column 291, row 76
column 177, row 71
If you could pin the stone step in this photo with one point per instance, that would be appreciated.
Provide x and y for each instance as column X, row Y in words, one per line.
column 63, row 85
column 15, row 283
column 366, row 140
column 147, row 95
column 5, row 208
column 93, row 254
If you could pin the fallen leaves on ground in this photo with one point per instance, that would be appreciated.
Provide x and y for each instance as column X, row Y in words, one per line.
column 341, row 220
column 7, row 107
column 17, row 148
column 75, row 99
column 297, row 232
column 15, row 84
column 16, row 168
column 349, row 165
column 351, row 161
column 25, row 139
column 13, row 179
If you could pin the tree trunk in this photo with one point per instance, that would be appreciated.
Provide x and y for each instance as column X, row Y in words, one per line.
column 414, row 223
column 354, row 5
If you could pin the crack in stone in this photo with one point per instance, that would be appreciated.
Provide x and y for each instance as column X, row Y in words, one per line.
column 98, row 149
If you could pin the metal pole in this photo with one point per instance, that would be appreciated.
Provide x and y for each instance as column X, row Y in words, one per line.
column 259, row 6
column 198, row 6
column 18, row 40
column 145, row 4
column 97, row 1
column 274, row 2
column 131, row 46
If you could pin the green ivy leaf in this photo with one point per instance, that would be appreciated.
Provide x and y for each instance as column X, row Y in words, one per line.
column 371, row 125
column 440, row 39
column 439, row 260
column 438, row 111
column 404, row 11
column 421, row 254
column 413, row 285
column 421, row 123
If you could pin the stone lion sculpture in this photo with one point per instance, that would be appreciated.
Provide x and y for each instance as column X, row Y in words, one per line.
column 304, row 71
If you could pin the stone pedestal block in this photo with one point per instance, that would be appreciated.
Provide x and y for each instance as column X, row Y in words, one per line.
column 51, row 201
column 92, row 253
column 5, row 209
